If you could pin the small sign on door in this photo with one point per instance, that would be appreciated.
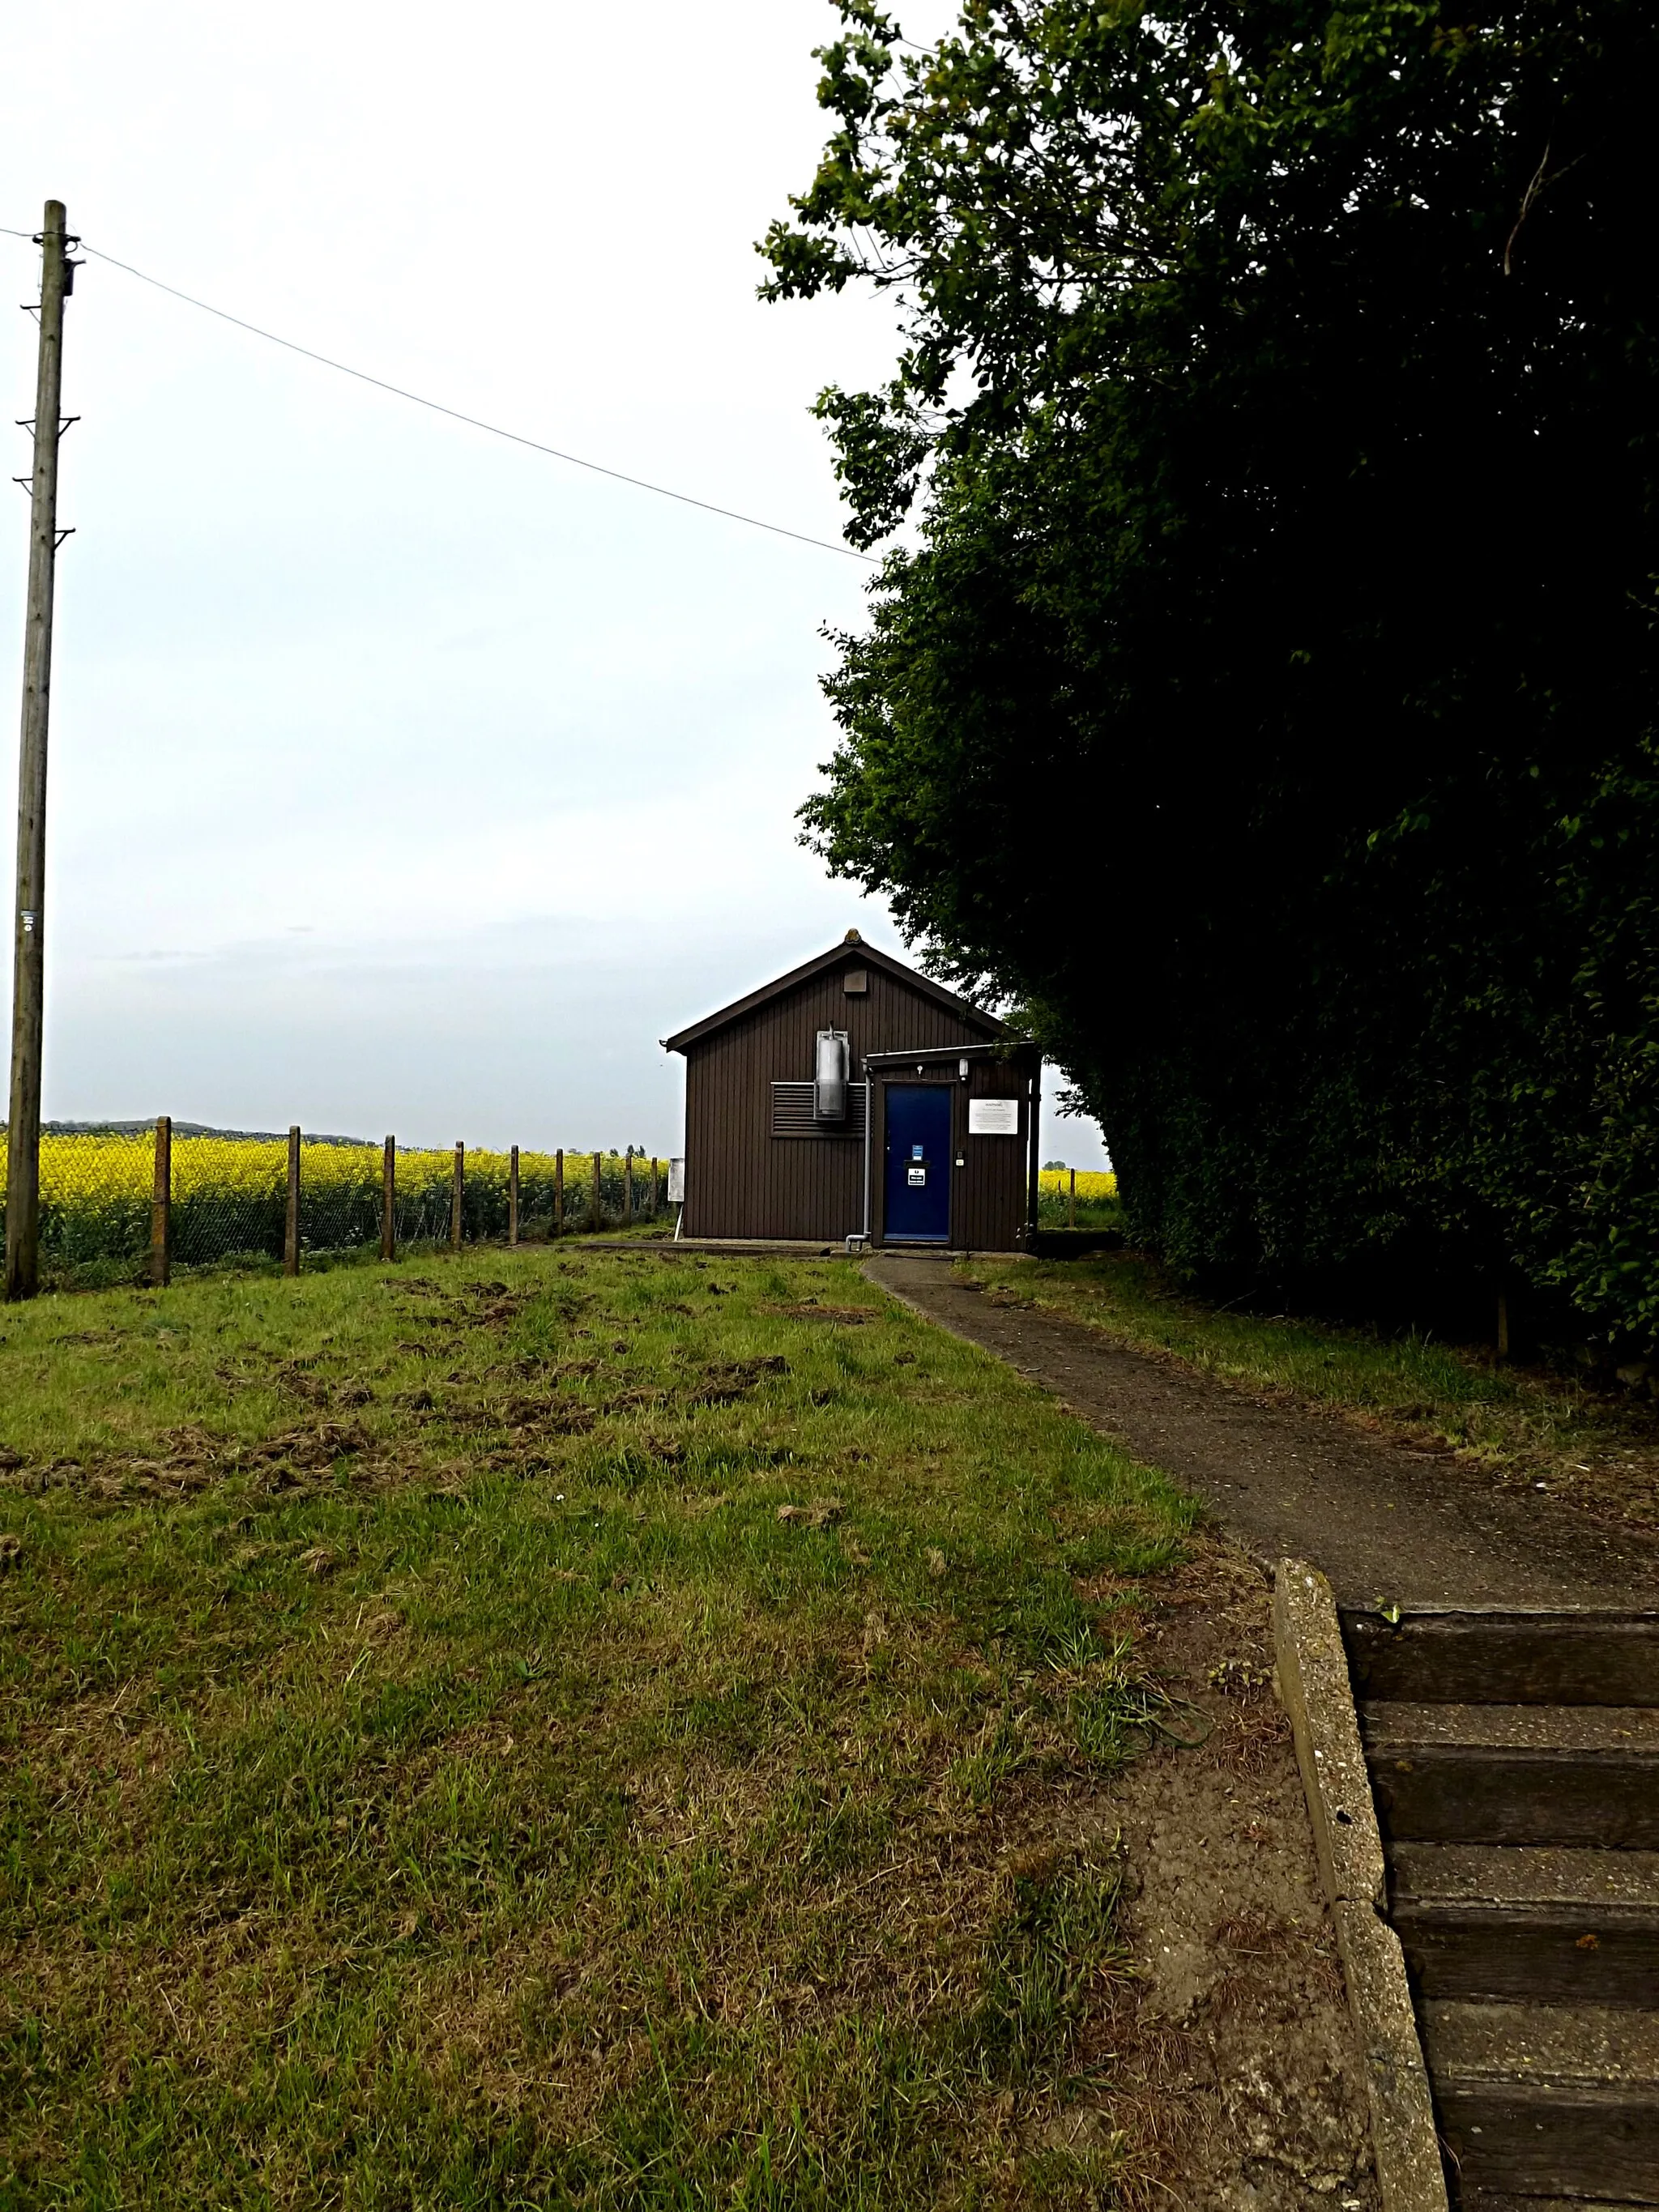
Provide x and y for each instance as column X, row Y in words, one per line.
column 915, row 1176
column 994, row 1117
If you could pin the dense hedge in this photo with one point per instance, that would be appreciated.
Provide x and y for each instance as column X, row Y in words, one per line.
column 1446, row 1082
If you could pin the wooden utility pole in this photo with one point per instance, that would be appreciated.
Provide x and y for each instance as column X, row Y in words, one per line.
column 513, row 1198
column 28, row 970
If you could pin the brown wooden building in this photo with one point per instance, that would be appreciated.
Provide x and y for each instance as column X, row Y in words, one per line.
column 855, row 1096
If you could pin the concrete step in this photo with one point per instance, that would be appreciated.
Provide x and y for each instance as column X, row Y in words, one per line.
column 1486, row 2200
column 1557, row 2046
column 1563, row 1927
column 1510, row 1873
column 1530, row 1727
column 1544, row 2099
column 1514, row 1762
column 1519, row 1774
column 1489, row 1657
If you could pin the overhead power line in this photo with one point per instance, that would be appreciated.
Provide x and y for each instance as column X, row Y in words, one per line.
column 455, row 415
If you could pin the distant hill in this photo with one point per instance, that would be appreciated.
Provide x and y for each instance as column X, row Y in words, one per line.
column 189, row 1129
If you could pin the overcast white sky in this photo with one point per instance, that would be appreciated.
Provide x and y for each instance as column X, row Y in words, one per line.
column 402, row 779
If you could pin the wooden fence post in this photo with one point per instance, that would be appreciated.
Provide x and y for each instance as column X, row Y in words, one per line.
column 513, row 1198
column 161, row 1209
column 455, row 1199
column 1070, row 1200
column 653, row 1189
column 291, row 1229
column 389, row 1202
column 558, row 1192
column 596, row 1209
column 628, row 1186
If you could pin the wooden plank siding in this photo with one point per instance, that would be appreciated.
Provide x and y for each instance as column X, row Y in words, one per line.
column 988, row 1196
column 743, row 1181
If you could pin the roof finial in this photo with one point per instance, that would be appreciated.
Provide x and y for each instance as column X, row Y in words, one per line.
column 852, row 938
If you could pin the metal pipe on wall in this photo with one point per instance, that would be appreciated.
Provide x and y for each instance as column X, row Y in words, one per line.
column 1033, row 1183
column 862, row 1235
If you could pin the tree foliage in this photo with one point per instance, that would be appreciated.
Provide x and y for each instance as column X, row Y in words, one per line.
column 1264, row 699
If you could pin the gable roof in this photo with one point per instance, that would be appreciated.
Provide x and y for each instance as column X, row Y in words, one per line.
column 852, row 948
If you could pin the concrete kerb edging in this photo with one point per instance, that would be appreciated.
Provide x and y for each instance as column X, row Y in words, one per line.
column 1311, row 1674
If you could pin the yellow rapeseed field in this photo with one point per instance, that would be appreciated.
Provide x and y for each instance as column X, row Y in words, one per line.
column 230, row 1196
column 97, row 1169
column 1092, row 1183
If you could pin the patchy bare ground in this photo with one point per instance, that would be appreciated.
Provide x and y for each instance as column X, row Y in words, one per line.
column 1243, row 2081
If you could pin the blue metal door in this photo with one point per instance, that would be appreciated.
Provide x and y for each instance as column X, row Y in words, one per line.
column 918, row 1183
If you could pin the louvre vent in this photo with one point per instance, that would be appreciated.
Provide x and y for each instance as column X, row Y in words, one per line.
column 793, row 1115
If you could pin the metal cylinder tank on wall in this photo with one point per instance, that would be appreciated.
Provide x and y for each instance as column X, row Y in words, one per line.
column 829, row 1076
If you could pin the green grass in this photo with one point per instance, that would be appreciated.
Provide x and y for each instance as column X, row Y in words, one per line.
column 552, row 1729
column 1054, row 1212
column 1528, row 1422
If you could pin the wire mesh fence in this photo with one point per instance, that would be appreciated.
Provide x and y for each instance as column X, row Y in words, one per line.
column 127, row 1202
column 1077, row 1198
column 95, row 1205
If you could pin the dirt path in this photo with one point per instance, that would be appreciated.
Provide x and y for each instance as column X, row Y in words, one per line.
column 1383, row 1522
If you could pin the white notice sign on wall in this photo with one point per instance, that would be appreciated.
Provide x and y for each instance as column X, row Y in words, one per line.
column 994, row 1117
